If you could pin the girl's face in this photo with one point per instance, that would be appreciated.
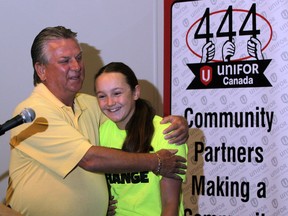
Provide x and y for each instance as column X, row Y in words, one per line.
column 115, row 97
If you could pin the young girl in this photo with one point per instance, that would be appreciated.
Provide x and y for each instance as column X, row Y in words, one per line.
column 134, row 127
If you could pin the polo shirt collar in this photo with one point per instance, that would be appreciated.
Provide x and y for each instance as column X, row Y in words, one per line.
column 45, row 92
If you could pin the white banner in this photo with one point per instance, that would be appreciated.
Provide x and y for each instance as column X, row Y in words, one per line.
column 228, row 69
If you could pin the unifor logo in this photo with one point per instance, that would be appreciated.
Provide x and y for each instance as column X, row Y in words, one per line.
column 206, row 75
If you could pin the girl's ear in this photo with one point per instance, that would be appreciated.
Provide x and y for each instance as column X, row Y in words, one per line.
column 41, row 71
column 137, row 92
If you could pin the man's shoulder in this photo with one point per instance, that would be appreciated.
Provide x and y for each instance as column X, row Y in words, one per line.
column 84, row 98
column 89, row 103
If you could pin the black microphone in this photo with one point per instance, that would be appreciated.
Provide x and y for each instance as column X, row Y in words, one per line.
column 27, row 115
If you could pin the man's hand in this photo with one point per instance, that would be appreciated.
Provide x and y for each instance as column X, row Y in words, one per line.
column 178, row 131
column 171, row 164
column 111, row 207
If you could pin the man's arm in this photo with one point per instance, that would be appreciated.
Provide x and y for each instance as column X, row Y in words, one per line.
column 107, row 160
column 178, row 131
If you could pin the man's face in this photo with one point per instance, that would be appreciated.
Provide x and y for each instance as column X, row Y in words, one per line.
column 64, row 73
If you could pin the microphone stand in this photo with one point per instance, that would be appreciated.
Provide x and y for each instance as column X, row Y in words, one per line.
column 1, row 133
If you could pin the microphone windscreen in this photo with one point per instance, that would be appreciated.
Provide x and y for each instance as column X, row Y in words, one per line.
column 28, row 115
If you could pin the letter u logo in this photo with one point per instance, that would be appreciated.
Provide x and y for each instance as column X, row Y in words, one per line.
column 206, row 75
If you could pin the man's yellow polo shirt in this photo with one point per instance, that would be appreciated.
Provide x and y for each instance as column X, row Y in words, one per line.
column 44, row 177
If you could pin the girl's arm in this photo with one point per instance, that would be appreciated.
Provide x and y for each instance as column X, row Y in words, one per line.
column 170, row 196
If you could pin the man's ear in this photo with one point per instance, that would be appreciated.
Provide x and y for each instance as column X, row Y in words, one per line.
column 41, row 71
column 137, row 92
